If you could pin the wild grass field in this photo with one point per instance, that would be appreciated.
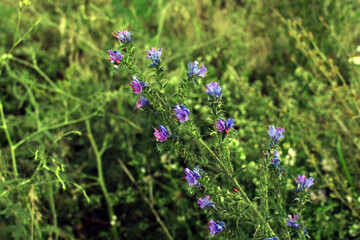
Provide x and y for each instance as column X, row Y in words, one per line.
column 74, row 153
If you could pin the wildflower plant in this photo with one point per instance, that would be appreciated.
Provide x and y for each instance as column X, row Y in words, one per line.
column 208, row 154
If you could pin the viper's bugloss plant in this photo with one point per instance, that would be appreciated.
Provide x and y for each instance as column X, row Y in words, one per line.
column 193, row 176
column 210, row 150
column 124, row 36
column 161, row 134
column 216, row 226
column 154, row 55
column 204, row 202
column 196, row 70
column 142, row 102
column 136, row 85
column 213, row 89
column 181, row 113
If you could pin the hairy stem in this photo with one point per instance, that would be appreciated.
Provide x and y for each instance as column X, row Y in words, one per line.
column 240, row 189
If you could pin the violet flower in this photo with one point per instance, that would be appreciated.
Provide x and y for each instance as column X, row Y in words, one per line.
column 293, row 221
column 213, row 89
column 192, row 176
column 276, row 134
column 115, row 57
column 204, row 202
column 124, row 36
column 276, row 160
column 225, row 125
column 136, row 86
column 142, row 102
column 216, row 227
column 161, row 134
column 303, row 183
column 195, row 70
column 154, row 55
column 181, row 113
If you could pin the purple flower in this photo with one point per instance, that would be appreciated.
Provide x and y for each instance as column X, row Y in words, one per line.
column 276, row 134
column 142, row 102
column 136, row 86
column 223, row 125
column 292, row 221
column 213, row 89
column 216, row 227
column 161, row 134
column 115, row 57
column 276, row 160
column 181, row 113
column 192, row 176
column 272, row 238
column 303, row 183
column 204, row 202
column 154, row 55
column 195, row 70
column 124, row 36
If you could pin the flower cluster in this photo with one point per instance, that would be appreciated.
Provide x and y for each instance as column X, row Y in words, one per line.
column 225, row 125
column 181, row 113
column 276, row 134
column 142, row 102
column 154, row 55
column 204, row 202
column 193, row 176
column 195, row 70
column 303, row 183
column 213, row 89
column 136, row 85
column 161, row 134
column 216, row 226
column 115, row 57
column 292, row 221
column 124, row 36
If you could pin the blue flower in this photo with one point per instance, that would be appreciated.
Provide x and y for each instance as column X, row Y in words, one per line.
column 276, row 134
column 216, row 227
column 223, row 125
column 195, row 70
column 115, row 57
column 142, row 102
column 136, row 86
column 276, row 160
column 181, row 113
column 124, row 36
column 303, row 183
column 161, row 134
column 204, row 202
column 192, row 176
column 213, row 89
column 293, row 221
column 154, row 55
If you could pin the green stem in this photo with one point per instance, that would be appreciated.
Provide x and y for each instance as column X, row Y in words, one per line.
column 240, row 189
column 12, row 148
column 266, row 193
column 53, row 210
column 101, row 181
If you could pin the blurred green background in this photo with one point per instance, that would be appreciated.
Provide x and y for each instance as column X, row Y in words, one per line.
column 282, row 62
